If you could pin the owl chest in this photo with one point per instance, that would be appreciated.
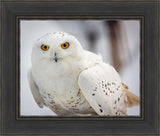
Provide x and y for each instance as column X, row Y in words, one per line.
column 62, row 91
column 62, row 84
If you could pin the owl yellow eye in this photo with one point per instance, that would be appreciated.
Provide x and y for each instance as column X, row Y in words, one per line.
column 65, row 45
column 44, row 47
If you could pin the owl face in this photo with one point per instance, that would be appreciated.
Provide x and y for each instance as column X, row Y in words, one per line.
column 56, row 47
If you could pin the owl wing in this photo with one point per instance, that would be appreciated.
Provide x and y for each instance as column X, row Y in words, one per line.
column 101, row 85
column 35, row 90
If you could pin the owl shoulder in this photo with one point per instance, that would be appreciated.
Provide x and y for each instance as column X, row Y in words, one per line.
column 92, row 57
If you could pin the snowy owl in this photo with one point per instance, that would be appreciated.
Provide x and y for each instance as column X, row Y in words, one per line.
column 74, row 82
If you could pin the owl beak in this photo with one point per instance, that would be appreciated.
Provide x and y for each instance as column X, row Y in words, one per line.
column 55, row 57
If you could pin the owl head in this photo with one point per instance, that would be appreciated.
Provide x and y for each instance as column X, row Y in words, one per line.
column 56, row 47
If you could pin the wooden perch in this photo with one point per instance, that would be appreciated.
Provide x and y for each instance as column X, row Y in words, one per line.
column 131, row 99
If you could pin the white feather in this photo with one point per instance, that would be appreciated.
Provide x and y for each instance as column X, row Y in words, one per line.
column 101, row 86
column 35, row 91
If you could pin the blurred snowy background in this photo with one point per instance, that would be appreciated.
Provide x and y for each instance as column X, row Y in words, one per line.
column 118, row 41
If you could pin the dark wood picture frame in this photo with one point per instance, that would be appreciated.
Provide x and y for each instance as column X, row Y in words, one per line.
column 14, row 11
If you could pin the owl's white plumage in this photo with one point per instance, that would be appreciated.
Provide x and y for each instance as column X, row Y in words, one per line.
column 73, row 81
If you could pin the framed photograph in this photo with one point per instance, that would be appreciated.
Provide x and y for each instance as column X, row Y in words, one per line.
column 95, row 34
column 79, row 67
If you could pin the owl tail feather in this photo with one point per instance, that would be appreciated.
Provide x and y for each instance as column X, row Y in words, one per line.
column 131, row 99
